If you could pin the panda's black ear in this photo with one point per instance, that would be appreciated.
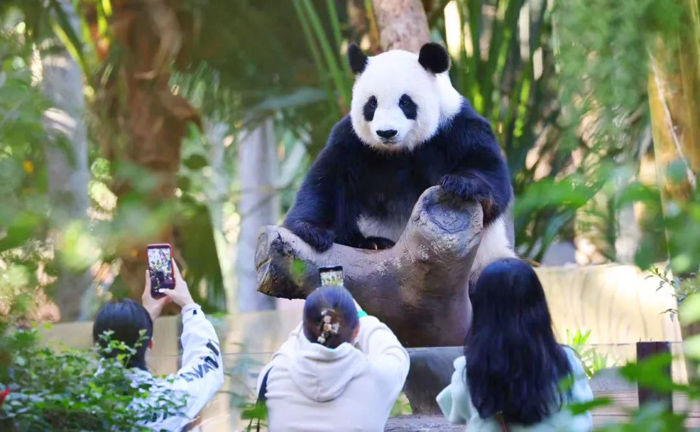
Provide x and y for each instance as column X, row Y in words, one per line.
column 358, row 59
column 434, row 58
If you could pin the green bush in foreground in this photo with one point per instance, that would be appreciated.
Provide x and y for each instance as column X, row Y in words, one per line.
column 71, row 390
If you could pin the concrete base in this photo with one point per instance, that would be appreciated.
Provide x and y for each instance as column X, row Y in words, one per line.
column 420, row 424
column 431, row 371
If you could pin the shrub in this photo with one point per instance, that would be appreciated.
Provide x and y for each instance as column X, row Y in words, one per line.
column 73, row 390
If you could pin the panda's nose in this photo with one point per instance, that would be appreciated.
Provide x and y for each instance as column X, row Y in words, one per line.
column 386, row 134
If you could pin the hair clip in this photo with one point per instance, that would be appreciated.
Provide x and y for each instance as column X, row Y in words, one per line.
column 328, row 328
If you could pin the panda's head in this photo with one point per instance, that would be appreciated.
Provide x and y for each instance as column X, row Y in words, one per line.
column 400, row 99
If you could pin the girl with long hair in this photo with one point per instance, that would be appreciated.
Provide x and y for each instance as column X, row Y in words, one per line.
column 514, row 375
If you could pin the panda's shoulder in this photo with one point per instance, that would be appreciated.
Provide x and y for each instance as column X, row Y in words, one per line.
column 466, row 116
column 343, row 136
column 468, row 128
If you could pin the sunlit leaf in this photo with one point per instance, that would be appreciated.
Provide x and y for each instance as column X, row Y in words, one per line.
column 689, row 311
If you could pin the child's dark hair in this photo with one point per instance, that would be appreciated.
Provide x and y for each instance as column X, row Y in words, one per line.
column 126, row 319
column 514, row 363
column 337, row 303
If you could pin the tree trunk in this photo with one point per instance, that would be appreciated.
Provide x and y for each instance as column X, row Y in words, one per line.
column 66, row 155
column 259, row 206
column 418, row 287
column 629, row 235
column 402, row 24
column 216, row 133
column 154, row 119
column 674, row 100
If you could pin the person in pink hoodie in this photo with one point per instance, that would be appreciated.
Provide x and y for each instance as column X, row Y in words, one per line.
column 340, row 369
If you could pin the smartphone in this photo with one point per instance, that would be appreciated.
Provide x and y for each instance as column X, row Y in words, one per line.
column 331, row 275
column 160, row 268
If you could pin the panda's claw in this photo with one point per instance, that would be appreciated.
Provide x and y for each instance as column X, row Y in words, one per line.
column 318, row 238
column 377, row 243
column 470, row 189
column 465, row 188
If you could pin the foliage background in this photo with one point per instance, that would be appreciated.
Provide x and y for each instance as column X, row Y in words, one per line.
column 566, row 84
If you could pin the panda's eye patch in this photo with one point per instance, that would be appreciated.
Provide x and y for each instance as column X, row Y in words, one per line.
column 409, row 108
column 369, row 108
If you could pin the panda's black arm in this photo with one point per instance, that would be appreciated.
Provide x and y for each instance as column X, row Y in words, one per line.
column 480, row 172
column 324, row 211
column 312, row 215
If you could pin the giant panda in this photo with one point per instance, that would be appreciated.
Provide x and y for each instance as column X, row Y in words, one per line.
column 408, row 129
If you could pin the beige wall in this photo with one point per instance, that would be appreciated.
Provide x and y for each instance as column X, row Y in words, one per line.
column 619, row 304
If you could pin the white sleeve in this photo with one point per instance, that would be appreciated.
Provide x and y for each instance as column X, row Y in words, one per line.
column 384, row 351
column 202, row 372
column 454, row 400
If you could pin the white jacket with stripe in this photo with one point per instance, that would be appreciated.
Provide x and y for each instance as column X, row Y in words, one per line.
column 198, row 380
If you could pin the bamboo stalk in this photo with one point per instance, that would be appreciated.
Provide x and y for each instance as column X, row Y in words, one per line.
column 328, row 53
column 316, row 55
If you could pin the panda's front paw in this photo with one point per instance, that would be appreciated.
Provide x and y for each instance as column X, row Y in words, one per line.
column 318, row 238
column 377, row 243
column 468, row 189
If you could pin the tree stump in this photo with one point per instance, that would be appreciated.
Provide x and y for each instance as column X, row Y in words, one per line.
column 419, row 288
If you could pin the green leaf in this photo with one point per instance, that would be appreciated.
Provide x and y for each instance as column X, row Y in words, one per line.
column 301, row 97
column 184, row 183
column 692, row 346
column 298, row 268
column 196, row 162
column 689, row 311
column 254, row 412
column 582, row 408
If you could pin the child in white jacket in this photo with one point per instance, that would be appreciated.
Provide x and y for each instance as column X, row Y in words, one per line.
column 514, row 376
column 202, row 372
column 340, row 370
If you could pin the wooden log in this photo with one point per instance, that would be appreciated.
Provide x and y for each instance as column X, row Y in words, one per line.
column 419, row 288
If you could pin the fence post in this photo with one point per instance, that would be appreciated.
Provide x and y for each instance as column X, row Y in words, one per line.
column 646, row 350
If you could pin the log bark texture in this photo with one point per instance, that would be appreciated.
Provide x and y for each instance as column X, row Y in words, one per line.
column 402, row 24
column 419, row 288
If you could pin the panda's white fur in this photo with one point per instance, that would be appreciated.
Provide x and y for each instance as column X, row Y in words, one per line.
column 494, row 245
column 387, row 77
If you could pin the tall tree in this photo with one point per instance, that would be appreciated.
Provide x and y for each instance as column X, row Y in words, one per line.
column 402, row 24
column 259, row 206
column 148, row 123
column 674, row 99
column 62, row 83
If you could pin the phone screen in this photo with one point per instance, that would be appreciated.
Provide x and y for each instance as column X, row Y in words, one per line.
column 160, row 267
column 331, row 276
